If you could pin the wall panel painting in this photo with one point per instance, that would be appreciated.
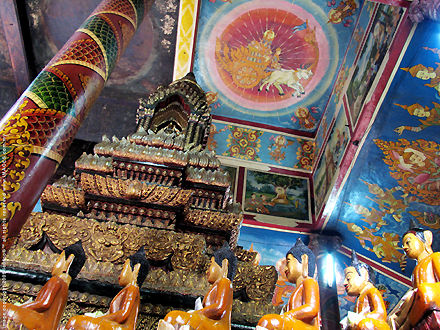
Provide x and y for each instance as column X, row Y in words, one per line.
column 261, row 146
column 330, row 160
column 371, row 56
column 277, row 199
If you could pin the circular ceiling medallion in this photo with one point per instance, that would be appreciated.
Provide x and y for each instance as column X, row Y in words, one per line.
column 265, row 55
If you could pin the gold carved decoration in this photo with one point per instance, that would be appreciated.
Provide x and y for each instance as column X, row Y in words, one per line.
column 257, row 281
column 64, row 196
column 213, row 219
column 111, row 242
column 132, row 189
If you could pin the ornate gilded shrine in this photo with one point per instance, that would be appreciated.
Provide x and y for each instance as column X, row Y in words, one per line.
column 158, row 188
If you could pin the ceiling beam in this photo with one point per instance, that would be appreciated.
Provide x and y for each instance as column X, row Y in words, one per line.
column 14, row 38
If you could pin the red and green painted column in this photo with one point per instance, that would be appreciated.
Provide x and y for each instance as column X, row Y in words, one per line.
column 38, row 130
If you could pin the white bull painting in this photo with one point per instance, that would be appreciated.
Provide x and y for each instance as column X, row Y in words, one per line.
column 291, row 78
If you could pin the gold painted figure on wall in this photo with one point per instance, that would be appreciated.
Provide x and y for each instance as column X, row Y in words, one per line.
column 370, row 311
column 303, row 306
column 45, row 312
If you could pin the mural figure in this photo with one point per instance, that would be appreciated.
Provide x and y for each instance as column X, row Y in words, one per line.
column 370, row 311
column 248, row 65
column 432, row 117
column 305, row 118
column 252, row 203
column 385, row 247
column 45, row 312
column 217, row 304
column 330, row 166
column 342, row 12
column 425, row 295
column 416, row 167
column 426, row 73
column 290, row 78
column 373, row 217
column 275, row 148
column 261, row 208
column 340, row 82
column 124, row 308
column 386, row 200
column 303, row 307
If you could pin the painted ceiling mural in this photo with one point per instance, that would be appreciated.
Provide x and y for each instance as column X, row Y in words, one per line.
column 272, row 63
column 395, row 178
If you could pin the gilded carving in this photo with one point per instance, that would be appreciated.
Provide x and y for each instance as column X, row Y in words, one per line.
column 108, row 241
column 64, row 196
column 215, row 220
column 131, row 189
column 257, row 281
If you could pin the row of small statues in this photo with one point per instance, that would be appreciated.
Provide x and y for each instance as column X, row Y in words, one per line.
column 301, row 312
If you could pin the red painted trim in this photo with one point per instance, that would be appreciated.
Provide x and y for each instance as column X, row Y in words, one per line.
column 397, row 3
column 379, row 267
column 289, row 172
column 347, row 114
column 264, row 126
column 240, row 186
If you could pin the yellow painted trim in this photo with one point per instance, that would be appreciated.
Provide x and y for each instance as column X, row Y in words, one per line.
column 47, row 153
column 36, row 99
column 128, row 18
column 101, row 46
column 86, row 64
column 136, row 13
column 186, row 33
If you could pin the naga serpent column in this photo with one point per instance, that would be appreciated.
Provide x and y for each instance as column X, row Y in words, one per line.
column 39, row 128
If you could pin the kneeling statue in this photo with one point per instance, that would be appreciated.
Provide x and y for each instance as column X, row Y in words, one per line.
column 217, row 304
column 45, row 312
column 124, row 307
column 303, row 306
column 370, row 311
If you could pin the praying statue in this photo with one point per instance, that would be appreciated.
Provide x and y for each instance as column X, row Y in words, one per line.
column 370, row 311
column 215, row 312
column 303, row 306
column 45, row 312
column 124, row 307
column 425, row 295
